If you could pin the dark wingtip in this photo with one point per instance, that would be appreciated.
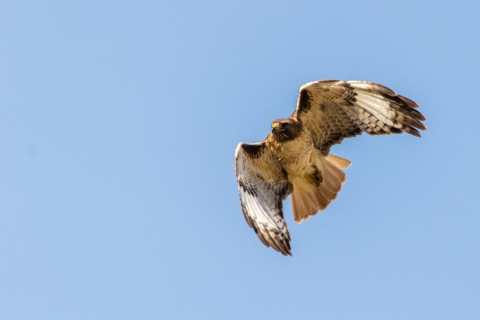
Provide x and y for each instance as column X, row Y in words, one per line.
column 286, row 253
column 408, row 102
column 415, row 133
column 418, row 115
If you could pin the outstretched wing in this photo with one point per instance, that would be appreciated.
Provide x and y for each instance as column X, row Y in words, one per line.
column 263, row 185
column 333, row 110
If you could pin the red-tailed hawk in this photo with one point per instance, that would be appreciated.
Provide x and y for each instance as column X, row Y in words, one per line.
column 294, row 158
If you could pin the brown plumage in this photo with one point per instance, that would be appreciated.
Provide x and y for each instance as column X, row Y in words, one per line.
column 294, row 158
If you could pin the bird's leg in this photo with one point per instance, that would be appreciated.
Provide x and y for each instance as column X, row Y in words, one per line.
column 315, row 177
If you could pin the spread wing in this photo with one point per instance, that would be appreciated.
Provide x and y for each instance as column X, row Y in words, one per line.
column 263, row 185
column 333, row 110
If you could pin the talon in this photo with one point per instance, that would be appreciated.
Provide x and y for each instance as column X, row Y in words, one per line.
column 315, row 178
column 318, row 175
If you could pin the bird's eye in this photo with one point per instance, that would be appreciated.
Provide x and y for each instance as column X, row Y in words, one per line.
column 284, row 124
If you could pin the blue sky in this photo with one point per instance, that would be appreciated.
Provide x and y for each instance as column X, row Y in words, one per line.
column 118, row 124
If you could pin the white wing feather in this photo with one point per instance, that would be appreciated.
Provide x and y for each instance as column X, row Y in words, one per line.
column 262, row 186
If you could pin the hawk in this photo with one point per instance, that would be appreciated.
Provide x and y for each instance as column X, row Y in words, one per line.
column 295, row 157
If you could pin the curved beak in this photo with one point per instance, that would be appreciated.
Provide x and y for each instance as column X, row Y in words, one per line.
column 275, row 127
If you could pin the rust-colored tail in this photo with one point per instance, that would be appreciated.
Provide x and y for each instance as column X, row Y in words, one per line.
column 307, row 199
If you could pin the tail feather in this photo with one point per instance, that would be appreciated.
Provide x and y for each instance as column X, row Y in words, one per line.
column 342, row 163
column 308, row 199
column 329, row 186
column 322, row 198
column 301, row 204
column 335, row 171
column 329, row 195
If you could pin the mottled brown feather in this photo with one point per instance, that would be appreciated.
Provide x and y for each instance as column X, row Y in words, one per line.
column 336, row 110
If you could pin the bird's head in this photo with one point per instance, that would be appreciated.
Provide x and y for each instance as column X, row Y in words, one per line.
column 286, row 129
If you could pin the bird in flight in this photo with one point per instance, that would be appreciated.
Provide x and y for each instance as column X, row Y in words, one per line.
column 295, row 157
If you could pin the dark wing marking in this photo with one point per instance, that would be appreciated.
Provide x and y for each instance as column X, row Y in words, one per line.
column 262, row 186
column 333, row 110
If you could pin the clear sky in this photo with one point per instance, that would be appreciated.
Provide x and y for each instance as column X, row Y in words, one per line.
column 118, row 125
